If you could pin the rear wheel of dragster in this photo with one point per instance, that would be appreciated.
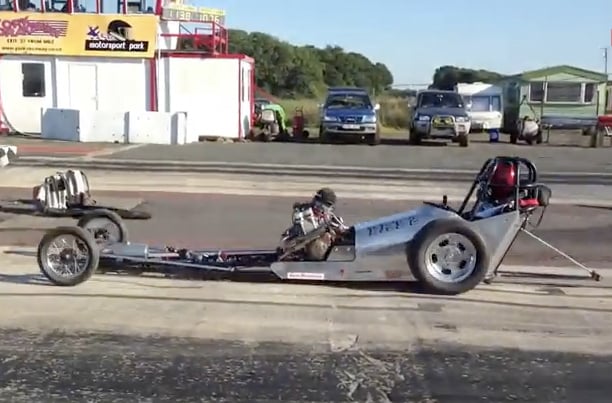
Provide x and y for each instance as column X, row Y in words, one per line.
column 105, row 226
column 68, row 256
column 448, row 257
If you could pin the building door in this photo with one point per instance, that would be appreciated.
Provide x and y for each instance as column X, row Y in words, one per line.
column 83, row 86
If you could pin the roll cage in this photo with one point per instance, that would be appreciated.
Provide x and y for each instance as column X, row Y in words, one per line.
column 528, row 193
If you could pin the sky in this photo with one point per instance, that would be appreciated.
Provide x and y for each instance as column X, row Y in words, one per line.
column 414, row 37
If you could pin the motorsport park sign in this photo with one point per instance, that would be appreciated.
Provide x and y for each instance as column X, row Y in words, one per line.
column 59, row 34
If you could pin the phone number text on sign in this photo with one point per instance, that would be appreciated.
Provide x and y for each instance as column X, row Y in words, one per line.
column 193, row 14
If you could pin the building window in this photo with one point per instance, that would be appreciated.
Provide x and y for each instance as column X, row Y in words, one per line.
column 496, row 104
column 563, row 92
column 536, row 91
column 589, row 93
column 33, row 79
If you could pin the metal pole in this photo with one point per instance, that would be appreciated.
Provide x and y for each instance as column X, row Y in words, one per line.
column 607, row 78
column 605, row 56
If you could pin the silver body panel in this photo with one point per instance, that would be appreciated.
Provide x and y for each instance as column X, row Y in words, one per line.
column 385, row 239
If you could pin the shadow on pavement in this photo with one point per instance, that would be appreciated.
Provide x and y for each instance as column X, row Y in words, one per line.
column 32, row 279
column 594, row 206
column 17, row 252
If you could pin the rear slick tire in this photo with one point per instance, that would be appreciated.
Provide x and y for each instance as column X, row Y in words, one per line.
column 432, row 276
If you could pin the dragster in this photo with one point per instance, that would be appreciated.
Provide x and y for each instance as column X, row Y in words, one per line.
column 448, row 251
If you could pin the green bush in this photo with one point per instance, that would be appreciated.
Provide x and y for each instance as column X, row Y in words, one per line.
column 394, row 112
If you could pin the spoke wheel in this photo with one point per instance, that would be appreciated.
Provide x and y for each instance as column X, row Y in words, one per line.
column 68, row 255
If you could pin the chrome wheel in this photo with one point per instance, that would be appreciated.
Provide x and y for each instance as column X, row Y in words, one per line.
column 66, row 256
column 451, row 258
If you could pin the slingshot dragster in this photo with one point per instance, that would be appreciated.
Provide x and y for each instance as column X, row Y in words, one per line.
column 448, row 251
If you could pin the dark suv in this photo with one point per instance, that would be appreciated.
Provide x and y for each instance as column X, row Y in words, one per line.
column 440, row 115
column 349, row 112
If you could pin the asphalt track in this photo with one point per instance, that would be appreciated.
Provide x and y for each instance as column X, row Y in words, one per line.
column 121, row 338
column 75, row 367
column 524, row 340
column 549, row 159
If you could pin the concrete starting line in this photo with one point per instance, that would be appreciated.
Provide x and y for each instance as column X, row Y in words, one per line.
column 286, row 186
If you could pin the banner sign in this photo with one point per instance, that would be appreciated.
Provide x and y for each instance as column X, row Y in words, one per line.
column 177, row 11
column 101, row 35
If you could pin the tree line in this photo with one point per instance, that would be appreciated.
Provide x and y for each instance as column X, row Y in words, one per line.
column 290, row 71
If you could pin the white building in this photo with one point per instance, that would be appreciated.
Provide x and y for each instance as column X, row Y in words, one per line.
column 144, row 91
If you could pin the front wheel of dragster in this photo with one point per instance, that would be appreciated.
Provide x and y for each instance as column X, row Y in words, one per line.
column 105, row 226
column 68, row 256
column 448, row 257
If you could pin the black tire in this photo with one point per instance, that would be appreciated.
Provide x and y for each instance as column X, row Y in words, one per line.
column 417, row 259
column 539, row 139
column 374, row 139
column 514, row 137
column 415, row 138
column 323, row 136
column 85, row 241
column 265, row 136
column 96, row 223
column 463, row 140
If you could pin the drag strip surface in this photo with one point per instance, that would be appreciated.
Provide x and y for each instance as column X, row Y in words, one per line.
column 550, row 159
column 63, row 367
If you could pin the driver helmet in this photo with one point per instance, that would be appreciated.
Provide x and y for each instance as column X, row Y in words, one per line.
column 502, row 180
column 326, row 197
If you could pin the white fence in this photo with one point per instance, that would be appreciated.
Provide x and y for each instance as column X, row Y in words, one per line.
column 116, row 127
